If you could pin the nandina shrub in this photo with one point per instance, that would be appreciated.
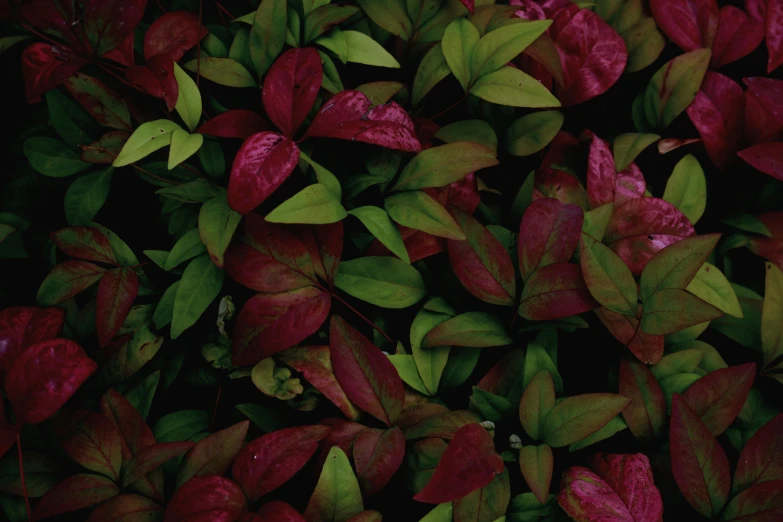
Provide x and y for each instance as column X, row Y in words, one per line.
column 435, row 260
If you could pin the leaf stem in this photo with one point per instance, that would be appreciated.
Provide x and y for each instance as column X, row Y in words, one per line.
column 357, row 312
column 41, row 35
column 441, row 113
column 222, row 8
column 214, row 410
column 21, row 476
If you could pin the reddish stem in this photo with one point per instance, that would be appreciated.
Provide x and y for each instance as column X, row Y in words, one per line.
column 357, row 312
column 120, row 78
column 441, row 113
column 160, row 6
column 39, row 34
column 222, row 8
column 214, row 410
column 21, row 476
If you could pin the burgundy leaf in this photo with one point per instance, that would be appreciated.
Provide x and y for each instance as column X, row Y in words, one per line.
column 279, row 511
column 774, row 34
column 108, row 22
column 342, row 435
column 127, row 508
column 213, row 454
column 631, row 477
column 766, row 157
column 270, row 323
column 262, row 164
column 349, row 115
column 90, row 439
column 104, row 105
column 690, row 24
column 554, row 292
column 548, row 234
column 45, row 66
column 162, row 67
column 53, row 17
column 290, row 88
column 737, row 36
column 74, row 493
column 763, row 119
column 151, row 458
column 601, row 177
column 44, row 376
column 561, row 185
column 585, row 497
column 271, row 460
column 142, row 78
column 21, row 327
column 630, row 184
column 116, row 292
column 761, row 459
column 377, row 455
column 123, row 53
column 646, row 413
column 84, row 243
column 718, row 397
column 236, row 123
column 173, row 33
column 206, row 499
column 645, row 347
column 469, row 463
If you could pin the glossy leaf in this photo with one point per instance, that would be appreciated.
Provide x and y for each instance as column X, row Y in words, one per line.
column 151, row 458
column 711, row 286
column 103, row 104
column 765, row 157
column 127, row 507
column 383, row 281
column 86, row 243
column 532, row 132
column 577, row 417
column 291, row 87
column 631, row 477
column 486, row 504
column 459, row 41
column 216, row 226
column 236, row 123
column 91, row 440
column 670, row 310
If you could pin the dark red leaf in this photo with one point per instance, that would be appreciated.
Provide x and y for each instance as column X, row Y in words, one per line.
column 500, row 379
column 691, row 24
column 271, row 323
column 342, row 435
column 325, row 244
column 601, row 177
column 469, row 463
column 631, row 477
column 116, row 292
column 21, row 327
column 151, row 458
column 90, row 439
column 561, row 185
column 123, row 54
column 279, row 511
column 141, row 77
column 761, row 459
column 127, row 508
column 136, row 435
column 368, row 377
column 349, row 115
column 290, row 88
column 104, row 105
column 646, row 413
column 718, row 113
column 425, row 131
column 645, row 347
column 236, row 123
column 718, row 397
column 44, row 376
column 53, row 17
column 271, row 460
column 45, row 66
column 262, row 164
column 108, row 22
column 554, row 292
column 74, row 493
column 561, row 149
column 173, row 33
column 207, row 499
column 630, row 184
column 213, row 454
column 737, row 36
column 377, row 455
column 548, row 234
column 766, row 157
column 774, row 34
column 763, row 119
column 162, row 67
column 84, row 243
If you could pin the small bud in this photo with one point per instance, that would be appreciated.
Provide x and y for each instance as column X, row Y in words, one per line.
column 515, row 442
column 488, row 425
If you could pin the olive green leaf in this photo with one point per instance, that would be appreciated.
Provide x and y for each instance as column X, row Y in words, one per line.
column 417, row 210
column 687, row 188
column 532, row 132
column 380, row 225
column 383, row 281
column 510, row 86
column 314, row 204
column 200, row 284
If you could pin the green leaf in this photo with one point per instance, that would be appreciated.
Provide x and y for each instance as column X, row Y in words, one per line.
column 199, row 191
column 314, row 205
column 181, row 425
column 223, row 71
column 183, row 146
column 687, row 188
column 391, row 15
column 432, row 69
column 212, row 159
column 408, row 372
column 268, row 34
column 378, row 223
column 331, row 78
column 476, row 131
column 337, row 496
column 536, row 463
column 597, row 219
column 472, row 329
column 189, row 99
column 325, row 17
column 523, row 199
column 324, row 176
column 772, row 315
column 69, row 120
column 711, row 286
column 532, row 132
column 671, row 309
column 145, row 140
column 266, row 419
column 441, row 513
column 747, row 223
column 459, row 41
column 335, row 42
column 500, row 46
column 607, row 276
column 676, row 265
column 85, row 197
column 417, row 210
column 363, row 49
column 462, row 361
column 129, row 358
column 200, row 285
column 510, row 86
column 491, row 407
column 188, row 247
column 216, row 225
column 612, row 427
column 538, row 358
column 627, row 146
column 431, row 362
column 574, row 418
column 141, row 395
column 537, row 401
column 164, row 311
column 52, row 157
column 383, row 281
column 445, row 164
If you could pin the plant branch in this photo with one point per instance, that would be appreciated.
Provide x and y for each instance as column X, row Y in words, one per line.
column 357, row 312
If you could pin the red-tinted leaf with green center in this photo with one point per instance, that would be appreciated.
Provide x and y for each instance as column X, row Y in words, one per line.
column 718, row 397
column 645, row 415
column 116, row 292
column 151, row 458
column 103, row 104
column 427, row 421
column 631, row 477
column 91, row 440
column 45, row 66
column 554, row 292
column 74, row 493
column 206, row 499
column 173, row 33
column 585, row 497
column 136, row 435
column 377, row 455
column 761, row 459
column 645, row 347
column 536, row 463
column 84, row 243
column 21, row 327
column 235, row 123
column 290, row 88
column 487, row 504
column 66, row 280
column 759, row 503
column 574, row 418
column 213, row 454
column 561, row 185
column 548, row 234
column 368, row 377
column 127, row 508
column 766, row 157
column 108, row 22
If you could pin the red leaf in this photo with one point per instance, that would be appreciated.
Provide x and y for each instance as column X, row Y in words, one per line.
column 718, row 397
column 349, row 115
column 279, row 511
column 763, row 119
column 290, row 88
column 21, row 327
column 45, row 66
column 718, row 113
column 173, row 33
column 760, row 503
column 136, row 435
column 85, row 243
column 601, row 177
column 630, row 184
column 774, row 34
column 563, row 147
column 761, row 459
column 592, row 54
column 548, row 234
column 270, row 323
column 645, row 347
column 271, row 460
column 74, row 493
column 768, row 248
column 690, row 24
column 151, row 458
column 104, row 105
column 91, row 440
column 427, row 420
column 500, row 379
column 325, row 244
column 237, row 123
column 162, row 67
column 127, row 508
column 469, row 463
column 53, row 17
column 646, row 413
column 559, row 184
column 481, row 262
column 368, row 377
column 123, row 54
column 213, row 454
column 585, row 497
column 641, row 227
column 141, row 77
column 766, row 157
column 342, row 435
column 206, row 499
column 44, row 376
column 469, row 4
column 631, row 477
column 116, row 292
column 554, row 292
column 262, row 164
column 699, row 465
column 377, row 455
column 108, row 22
column 737, row 36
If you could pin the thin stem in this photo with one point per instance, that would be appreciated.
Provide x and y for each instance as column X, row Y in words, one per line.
column 21, row 476
column 120, row 78
column 40, row 35
column 513, row 320
column 441, row 113
column 222, row 8
column 357, row 312
column 214, row 410
column 160, row 6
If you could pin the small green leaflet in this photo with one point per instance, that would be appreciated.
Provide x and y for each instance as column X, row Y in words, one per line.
column 200, row 284
column 627, row 146
column 378, row 223
column 52, row 157
column 383, row 281
column 363, row 49
column 687, row 188
column 337, row 496
column 510, row 86
column 164, row 311
column 532, row 132
column 189, row 99
column 145, row 140
column 501, row 45
column 188, row 247
column 216, row 225
column 676, row 265
column 417, row 210
column 223, row 71
column 85, row 197
column 476, row 131
column 183, row 146
column 315, row 205
column 607, row 276
column 431, row 362
column 710, row 285
column 70, row 121
column 406, row 367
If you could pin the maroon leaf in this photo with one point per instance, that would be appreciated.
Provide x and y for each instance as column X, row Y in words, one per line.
column 645, row 347
column 270, row 323
column 646, row 413
column 548, row 234
column 718, row 113
column 349, row 115
column 68, row 279
column 561, row 185
column 630, row 184
column 377, row 455
column 554, row 292
column 91, row 440
column 631, row 477
column 761, row 459
column 108, row 22
column 116, row 292
column 85, row 243
column 74, row 493
column 44, row 376
column 279, row 511
column 162, row 67
column 368, row 377
column 481, row 262
column 774, row 34
column 53, row 17
column 127, row 508
column 763, row 120
column 236, row 123
column 342, row 435
column 151, row 458
column 469, row 463
column 173, row 33
column 21, row 327
column 262, row 164
column 691, row 24
column 601, row 177
column 104, row 105
column 718, row 397
column 766, row 157
column 123, row 54
column 585, row 497
column 45, row 66
column 106, row 149
column 699, row 465
column 136, row 435
column 737, row 36
column 271, row 460
column 329, row 242
column 206, row 499
column 142, row 77
column 213, row 454
column 290, row 88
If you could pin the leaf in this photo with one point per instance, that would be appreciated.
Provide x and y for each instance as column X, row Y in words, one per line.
column 216, row 226
column 765, row 157
column 445, row 164
column 584, row 495
column 486, row 503
column 699, row 465
column 459, row 40
column 555, row 291
column 108, row 147
column 86, row 243
column 711, row 286
column 378, row 223
column 691, row 25
column 173, row 33
column 187, row 247
column 390, row 15
column 183, row 146
column 607, row 277
column 91, row 440
column 383, row 281
column 626, row 147
column 129, row 355
column 337, row 496
column 500, row 46
column 365, row 50
column 45, row 66
column 368, row 378
column 675, row 266
column 284, row 512
column 432, row 69
column 474, row 329
column 760, row 502
column 537, row 401
column 774, row 42
column 686, row 188
column 236, row 123
column 536, row 463
column 772, row 310
column 145, row 140
column 74, row 493
column 52, row 157
column 548, row 234
column 291, row 87
column 86, row 195
column 116, row 292
column 103, row 104
column 760, row 460
column 200, row 284
column 476, row 131
column 469, row 463
column 181, row 425
column 419, row 211
column 214, row 454
column 323, row 18
column 315, row 204
column 718, row 397
column 151, row 458
column 189, row 99
column 378, row 455
column 670, row 310
column 576, row 417
column 205, row 498
column 262, row 164
column 532, row 132
column 223, row 71
column 125, row 507
column 646, row 413
column 268, row 34
column 67, row 280
column 512, row 87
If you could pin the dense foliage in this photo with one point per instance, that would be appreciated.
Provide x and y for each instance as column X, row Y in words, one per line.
column 419, row 260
